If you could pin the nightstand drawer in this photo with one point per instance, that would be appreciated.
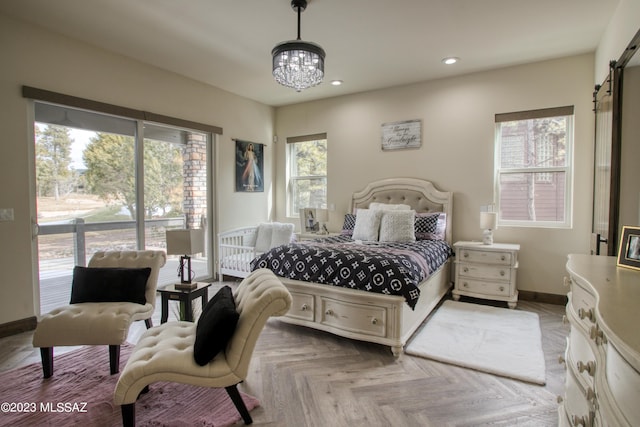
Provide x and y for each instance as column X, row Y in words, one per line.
column 485, row 288
column 486, row 257
column 485, row 272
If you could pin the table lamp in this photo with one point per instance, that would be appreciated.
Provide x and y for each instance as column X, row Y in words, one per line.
column 322, row 216
column 185, row 243
column 488, row 222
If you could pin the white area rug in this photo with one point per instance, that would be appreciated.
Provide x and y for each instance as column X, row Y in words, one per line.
column 495, row 340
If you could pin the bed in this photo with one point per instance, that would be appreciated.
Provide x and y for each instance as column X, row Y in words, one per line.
column 383, row 318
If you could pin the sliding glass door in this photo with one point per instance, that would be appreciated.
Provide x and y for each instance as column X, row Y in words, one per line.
column 93, row 172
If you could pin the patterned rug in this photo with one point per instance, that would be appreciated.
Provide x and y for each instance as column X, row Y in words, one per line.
column 80, row 393
column 495, row 340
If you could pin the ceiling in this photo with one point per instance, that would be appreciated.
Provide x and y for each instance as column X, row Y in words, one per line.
column 370, row 44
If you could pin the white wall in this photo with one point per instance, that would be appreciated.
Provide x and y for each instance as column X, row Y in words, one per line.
column 457, row 117
column 38, row 58
column 629, row 170
column 623, row 26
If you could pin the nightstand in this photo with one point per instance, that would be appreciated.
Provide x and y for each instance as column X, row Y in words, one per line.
column 486, row 271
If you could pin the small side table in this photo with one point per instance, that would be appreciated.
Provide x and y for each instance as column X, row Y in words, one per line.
column 185, row 297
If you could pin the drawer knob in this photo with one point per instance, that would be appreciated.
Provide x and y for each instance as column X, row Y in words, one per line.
column 579, row 421
column 590, row 367
column 561, row 360
column 559, row 399
column 596, row 334
column 502, row 273
column 591, row 395
column 465, row 254
column 374, row 321
column 502, row 258
column 465, row 285
column 304, row 307
column 466, row 269
column 329, row 312
column 501, row 288
column 587, row 314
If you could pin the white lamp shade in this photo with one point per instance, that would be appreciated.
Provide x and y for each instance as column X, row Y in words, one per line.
column 322, row 215
column 185, row 242
column 488, row 220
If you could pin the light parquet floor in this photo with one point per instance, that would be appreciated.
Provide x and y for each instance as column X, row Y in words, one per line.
column 310, row 378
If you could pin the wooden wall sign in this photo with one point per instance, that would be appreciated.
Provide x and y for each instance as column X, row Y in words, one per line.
column 399, row 135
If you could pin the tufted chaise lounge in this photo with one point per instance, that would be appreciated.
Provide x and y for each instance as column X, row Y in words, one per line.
column 100, row 323
column 165, row 352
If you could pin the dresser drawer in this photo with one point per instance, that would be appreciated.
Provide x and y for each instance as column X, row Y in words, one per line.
column 485, row 288
column 302, row 306
column 487, row 257
column 371, row 319
column 575, row 402
column 583, row 304
column 581, row 357
column 486, row 272
column 624, row 383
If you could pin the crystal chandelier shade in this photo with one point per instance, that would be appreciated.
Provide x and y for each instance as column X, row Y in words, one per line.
column 298, row 64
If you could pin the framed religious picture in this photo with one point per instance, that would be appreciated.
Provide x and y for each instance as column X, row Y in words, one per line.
column 629, row 250
column 249, row 166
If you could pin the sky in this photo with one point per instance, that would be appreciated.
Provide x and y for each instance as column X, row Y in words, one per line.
column 80, row 141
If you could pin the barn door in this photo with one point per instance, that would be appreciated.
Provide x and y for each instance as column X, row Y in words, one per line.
column 606, row 177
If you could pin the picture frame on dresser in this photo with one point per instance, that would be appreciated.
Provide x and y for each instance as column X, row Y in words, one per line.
column 629, row 249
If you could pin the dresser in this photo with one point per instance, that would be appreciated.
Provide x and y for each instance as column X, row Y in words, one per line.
column 602, row 386
column 486, row 271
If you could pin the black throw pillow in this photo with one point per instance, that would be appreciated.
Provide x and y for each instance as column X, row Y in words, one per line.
column 104, row 284
column 216, row 326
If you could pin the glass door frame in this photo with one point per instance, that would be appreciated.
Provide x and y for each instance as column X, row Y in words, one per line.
column 139, row 182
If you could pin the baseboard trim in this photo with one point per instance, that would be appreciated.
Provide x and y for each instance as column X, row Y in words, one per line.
column 542, row 297
column 18, row 326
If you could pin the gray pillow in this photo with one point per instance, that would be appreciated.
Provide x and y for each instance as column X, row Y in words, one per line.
column 367, row 225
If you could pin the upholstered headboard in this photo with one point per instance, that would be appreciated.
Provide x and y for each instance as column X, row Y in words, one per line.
column 421, row 195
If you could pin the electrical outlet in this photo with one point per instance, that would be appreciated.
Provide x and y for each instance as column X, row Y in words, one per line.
column 6, row 214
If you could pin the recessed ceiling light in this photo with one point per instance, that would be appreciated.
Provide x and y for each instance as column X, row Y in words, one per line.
column 336, row 82
column 451, row 60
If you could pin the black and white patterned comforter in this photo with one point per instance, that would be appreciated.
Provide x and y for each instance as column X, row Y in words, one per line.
column 387, row 268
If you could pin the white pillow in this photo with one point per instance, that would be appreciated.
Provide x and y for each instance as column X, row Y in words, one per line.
column 397, row 226
column 281, row 234
column 389, row 207
column 367, row 224
column 263, row 238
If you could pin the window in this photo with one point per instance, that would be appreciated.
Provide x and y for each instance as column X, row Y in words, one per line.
column 93, row 172
column 306, row 173
column 533, row 155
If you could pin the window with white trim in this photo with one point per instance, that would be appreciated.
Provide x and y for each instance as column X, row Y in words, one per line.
column 306, row 173
column 533, row 174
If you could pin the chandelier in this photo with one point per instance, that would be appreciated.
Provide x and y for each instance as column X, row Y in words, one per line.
column 298, row 64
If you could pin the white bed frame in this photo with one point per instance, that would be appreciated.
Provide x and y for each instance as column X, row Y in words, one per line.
column 367, row 316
